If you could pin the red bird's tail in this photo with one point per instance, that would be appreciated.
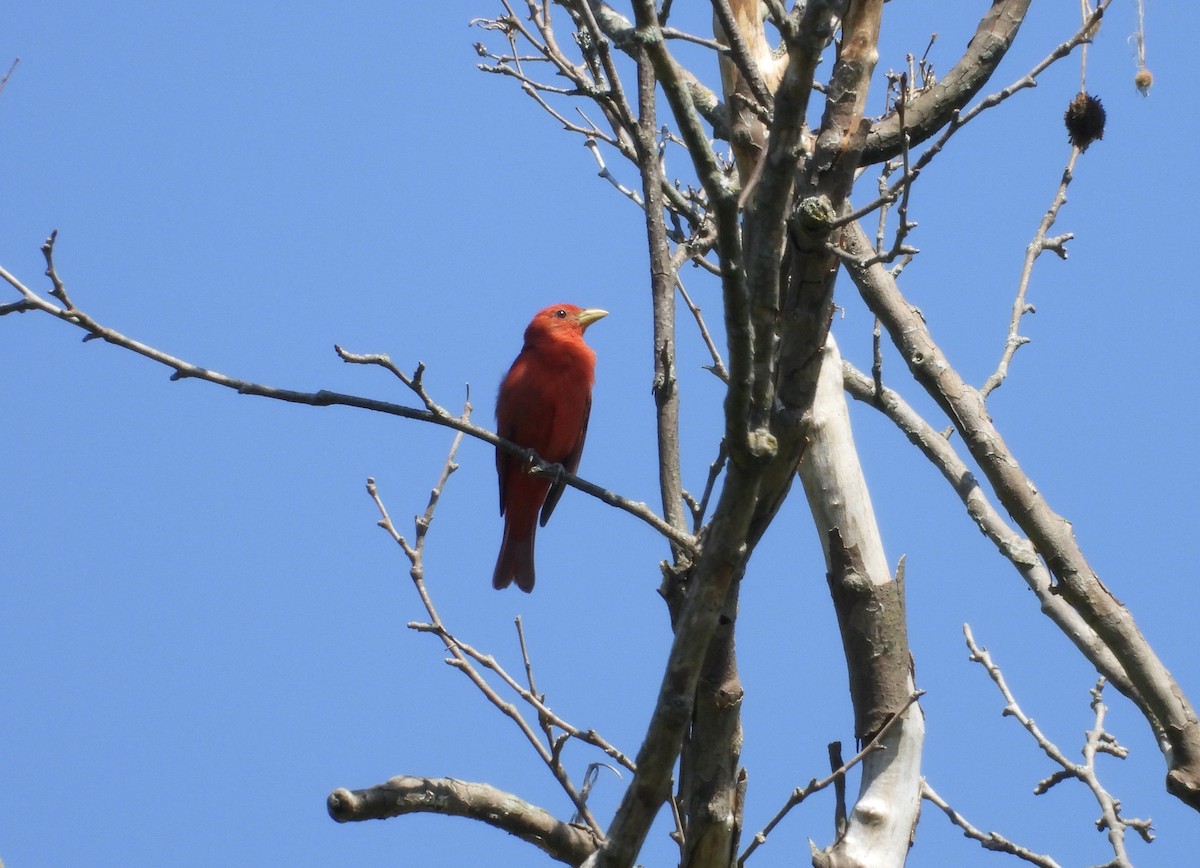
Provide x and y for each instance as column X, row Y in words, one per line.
column 515, row 562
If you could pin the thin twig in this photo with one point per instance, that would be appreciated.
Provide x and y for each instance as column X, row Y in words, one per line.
column 990, row 840
column 700, row 507
column 1040, row 243
column 903, row 227
column 801, row 793
column 489, row 662
column 1097, row 741
column 718, row 366
column 4, row 80
column 461, row 654
column 590, row 144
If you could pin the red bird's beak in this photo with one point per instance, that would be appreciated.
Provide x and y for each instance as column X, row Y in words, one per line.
column 589, row 316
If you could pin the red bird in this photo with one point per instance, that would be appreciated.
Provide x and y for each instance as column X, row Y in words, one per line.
column 543, row 405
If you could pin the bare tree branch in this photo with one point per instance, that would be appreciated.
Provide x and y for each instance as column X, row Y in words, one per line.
column 435, row 413
column 873, row 622
column 1036, row 248
column 958, row 120
column 815, row 786
column 1098, row 740
column 411, row 795
column 7, row 75
column 1011, row 545
column 1164, row 704
column 990, row 840
column 931, row 110
column 663, row 276
column 463, row 656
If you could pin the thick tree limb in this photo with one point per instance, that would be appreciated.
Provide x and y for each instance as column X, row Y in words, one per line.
column 1015, row 547
column 799, row 325
column 930, row 110
column 749, row 75
column 722, row 562
column 711, row 779
column 1160, row 698
column 871, row 615
column 881, row 742
column 769, row 198
column 411, row 795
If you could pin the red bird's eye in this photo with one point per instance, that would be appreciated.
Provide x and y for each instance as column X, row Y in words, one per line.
column 560, row 313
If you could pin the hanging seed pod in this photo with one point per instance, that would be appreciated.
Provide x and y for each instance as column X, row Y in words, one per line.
column 1143, row 80
column 1085, row 120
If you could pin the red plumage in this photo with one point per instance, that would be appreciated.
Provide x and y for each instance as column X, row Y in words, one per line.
column 543, row 404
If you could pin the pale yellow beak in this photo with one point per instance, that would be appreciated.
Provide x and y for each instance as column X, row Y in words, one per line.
column 589, row 316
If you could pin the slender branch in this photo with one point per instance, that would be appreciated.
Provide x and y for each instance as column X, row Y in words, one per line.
column 1098, row 740
column 700, row 508
column 461, row 655
column 1035, row 248
column 591, row 82
column 1164, row 704
column 7, row 75
column 722, row 199
column 672, row 33
column 815, row 786
column 663, row 277
column 903, row 226
column 990, row 840
column 718, row 366
column 434, row 413
column 537, row 701
column 590, row 144
column 1011, row 545
column 17, row 307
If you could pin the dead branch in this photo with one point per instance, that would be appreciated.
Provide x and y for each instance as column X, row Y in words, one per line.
column 1165, row 706
column 990, row 840
column 1039, row 245
column 477, row 801
column 1097, row 740
column 433, row 414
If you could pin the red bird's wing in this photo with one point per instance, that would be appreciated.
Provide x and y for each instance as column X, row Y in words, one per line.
column 502, row 459
column 570, row 463
column 507, row 418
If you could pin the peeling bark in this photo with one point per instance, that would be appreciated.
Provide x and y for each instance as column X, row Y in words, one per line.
column 871, row 616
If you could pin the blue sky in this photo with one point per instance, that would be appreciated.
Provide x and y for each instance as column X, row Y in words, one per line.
column 203, row 629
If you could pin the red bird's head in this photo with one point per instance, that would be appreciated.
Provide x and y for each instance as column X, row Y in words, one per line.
column 559, row 321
